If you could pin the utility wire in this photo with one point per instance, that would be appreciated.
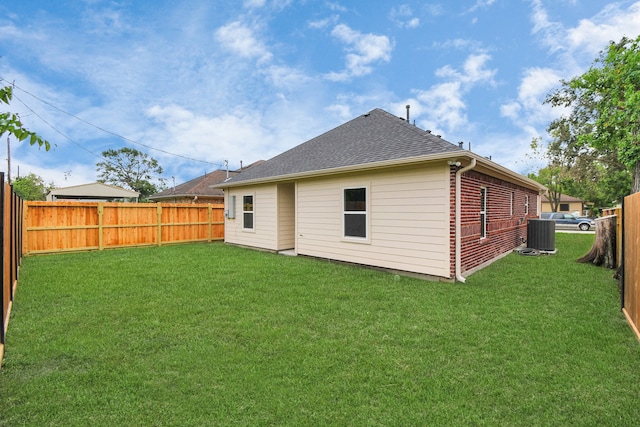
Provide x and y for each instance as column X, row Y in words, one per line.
column 104, row 130
column 60, row 132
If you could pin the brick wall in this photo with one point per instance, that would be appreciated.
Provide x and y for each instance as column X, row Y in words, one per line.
column 506, row 222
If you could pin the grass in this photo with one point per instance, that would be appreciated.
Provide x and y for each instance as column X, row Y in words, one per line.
column 196, row 335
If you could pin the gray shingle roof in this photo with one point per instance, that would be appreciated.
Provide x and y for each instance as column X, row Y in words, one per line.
column 373, row 137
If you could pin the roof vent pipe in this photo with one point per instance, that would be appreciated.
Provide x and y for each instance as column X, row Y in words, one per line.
column 460, row 143
column 408, row 106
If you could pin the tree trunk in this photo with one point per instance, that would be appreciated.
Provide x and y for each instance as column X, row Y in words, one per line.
column 603, row 251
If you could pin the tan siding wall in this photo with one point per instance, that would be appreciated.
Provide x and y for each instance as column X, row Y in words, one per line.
column 408, row 218
column 573, row 207
column 286, row 216
column 265, row 215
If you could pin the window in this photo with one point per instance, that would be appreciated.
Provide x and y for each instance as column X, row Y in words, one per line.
column 564, row 207
column 247, row 212
column 483, row 213
column 355, row 212
column 511, row 204
column 526, row 205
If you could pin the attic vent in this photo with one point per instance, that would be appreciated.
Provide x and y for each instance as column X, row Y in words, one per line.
column 366, row 115
column 460, row 143
column 428, row 131
column 439, row 136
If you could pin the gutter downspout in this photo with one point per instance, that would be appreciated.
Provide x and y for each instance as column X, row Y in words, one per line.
column 459, row 172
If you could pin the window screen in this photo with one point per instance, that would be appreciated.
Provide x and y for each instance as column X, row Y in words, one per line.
column 247, row 212
column 355, row 212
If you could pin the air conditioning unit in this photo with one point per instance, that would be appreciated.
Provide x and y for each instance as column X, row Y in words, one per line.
column 541, row 234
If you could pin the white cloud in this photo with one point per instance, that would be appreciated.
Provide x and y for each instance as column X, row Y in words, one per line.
column 284, row 77
column 574, row 49
column 434, row 9
column 106, row 21
column 480, row 4
column 323, row 23
column 528, row 110
column 363, row 50
column 611, row 24
column 473, row 70
column 402, row 16
column 444, row 103
column 254, row 4
column 552, row 33
column 511, row 110
column 240, row 39
column 336, row 7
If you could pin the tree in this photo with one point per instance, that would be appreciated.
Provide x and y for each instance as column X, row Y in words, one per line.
column 605, row 103
column 132, row 169
column 31, row 187
column 10, row 123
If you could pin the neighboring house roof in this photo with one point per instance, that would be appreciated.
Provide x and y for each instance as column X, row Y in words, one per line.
column 374, row 139
column 563, row 198
column 95, row 190
column 200, row 186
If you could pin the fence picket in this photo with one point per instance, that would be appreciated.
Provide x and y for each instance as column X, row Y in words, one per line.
column 76, row 226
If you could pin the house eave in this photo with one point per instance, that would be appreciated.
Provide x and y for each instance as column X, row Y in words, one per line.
column 494, row 169
column 484, row 165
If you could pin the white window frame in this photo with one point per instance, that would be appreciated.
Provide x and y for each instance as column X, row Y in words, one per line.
column 513, row 196
column 367, row 193
column 526, row 205
column 252, row 212
column 483, row 212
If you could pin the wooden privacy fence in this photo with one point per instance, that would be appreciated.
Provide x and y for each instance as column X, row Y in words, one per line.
column 617, row 211
column 631, row 261
column 10, row 236
column 51, row 227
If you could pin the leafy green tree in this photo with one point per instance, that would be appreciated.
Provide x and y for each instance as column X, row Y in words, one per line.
column 605, row 105
column 10, row 123
column 132, row 169
column 31, row 187
column 560, row 155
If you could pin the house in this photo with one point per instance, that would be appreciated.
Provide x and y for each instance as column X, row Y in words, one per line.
column 197, row 190
column 566, row 204
column 92, row 192
column 379, row 191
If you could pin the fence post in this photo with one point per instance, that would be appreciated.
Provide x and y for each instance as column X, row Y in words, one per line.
column 210, row 217
column 100, row 227
column 25, row 236
column 5, row 298
column 159, row 211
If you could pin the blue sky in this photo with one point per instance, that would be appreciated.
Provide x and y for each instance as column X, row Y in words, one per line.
column 199, row 82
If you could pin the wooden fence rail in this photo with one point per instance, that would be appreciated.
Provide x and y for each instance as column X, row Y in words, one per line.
column 52, row 227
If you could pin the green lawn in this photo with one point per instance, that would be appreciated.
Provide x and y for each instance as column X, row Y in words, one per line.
column 208, row 334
